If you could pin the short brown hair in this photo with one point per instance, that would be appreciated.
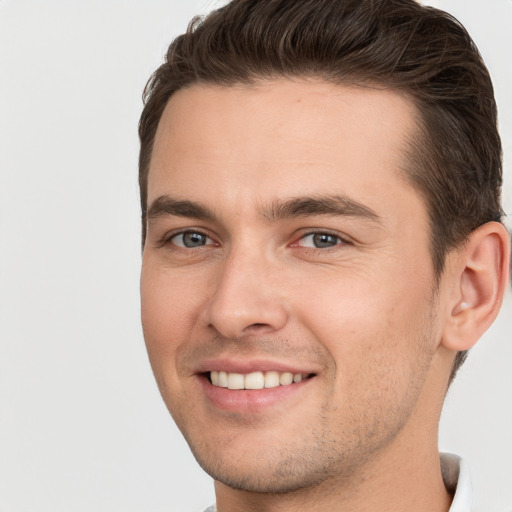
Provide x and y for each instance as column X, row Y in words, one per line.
column 455, row 163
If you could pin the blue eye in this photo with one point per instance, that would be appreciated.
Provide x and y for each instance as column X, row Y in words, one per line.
column 320, row 240
column 191, row 239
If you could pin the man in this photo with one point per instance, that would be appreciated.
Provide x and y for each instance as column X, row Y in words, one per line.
column 320, row 186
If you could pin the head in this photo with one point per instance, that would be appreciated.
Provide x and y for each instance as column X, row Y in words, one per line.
column 420, row 52
column 247, row 88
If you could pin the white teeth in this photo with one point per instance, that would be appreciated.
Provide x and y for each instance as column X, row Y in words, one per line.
column 235, row 381
column 223, row 379
column 286, row 378
column 254, row 380
column 271, row 379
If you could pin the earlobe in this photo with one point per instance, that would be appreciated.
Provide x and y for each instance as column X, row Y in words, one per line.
column 480, row 278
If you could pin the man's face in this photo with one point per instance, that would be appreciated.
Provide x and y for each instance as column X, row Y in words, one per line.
column 285, row 244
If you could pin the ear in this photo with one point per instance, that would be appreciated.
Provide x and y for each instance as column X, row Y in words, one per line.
column 479, row 278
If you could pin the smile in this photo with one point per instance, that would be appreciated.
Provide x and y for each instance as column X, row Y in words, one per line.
column 254, row 380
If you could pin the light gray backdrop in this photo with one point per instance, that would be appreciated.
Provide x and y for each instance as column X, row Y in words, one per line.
column 82, row 427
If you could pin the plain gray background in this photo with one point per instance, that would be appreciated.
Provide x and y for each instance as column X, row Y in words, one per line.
column 82, row 427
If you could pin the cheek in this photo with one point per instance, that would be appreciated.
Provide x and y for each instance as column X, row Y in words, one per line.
column 168, row 319
column 167, row 313
column 373, row 329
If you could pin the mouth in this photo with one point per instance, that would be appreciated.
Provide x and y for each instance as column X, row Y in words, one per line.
column 254, row 380
column 243, row 388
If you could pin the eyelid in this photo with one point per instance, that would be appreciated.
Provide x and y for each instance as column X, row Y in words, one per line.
column 343, row 240
column 170, row 235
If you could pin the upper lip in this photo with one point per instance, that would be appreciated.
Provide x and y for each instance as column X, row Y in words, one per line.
column 251, row 365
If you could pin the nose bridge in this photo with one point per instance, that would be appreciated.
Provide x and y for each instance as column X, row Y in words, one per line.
column 247, row 296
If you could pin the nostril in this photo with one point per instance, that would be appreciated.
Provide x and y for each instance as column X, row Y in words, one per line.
column 258, row 328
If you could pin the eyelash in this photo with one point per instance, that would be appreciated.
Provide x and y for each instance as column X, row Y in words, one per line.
column 339, row 240
column 169, row 237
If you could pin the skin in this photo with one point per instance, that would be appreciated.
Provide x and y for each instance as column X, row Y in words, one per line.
column 361, row 314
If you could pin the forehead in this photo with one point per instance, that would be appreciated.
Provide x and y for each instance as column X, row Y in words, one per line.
column 282, row 138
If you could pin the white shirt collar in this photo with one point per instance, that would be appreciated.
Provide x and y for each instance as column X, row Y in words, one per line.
column 457, row 479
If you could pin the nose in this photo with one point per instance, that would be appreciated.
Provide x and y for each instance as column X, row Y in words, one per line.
column 248, row 297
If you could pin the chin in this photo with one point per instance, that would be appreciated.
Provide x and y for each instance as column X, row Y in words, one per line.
column 268, row 480
column 269, row 470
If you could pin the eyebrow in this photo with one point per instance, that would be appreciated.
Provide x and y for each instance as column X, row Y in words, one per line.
column 332, row 205
column 166, row 205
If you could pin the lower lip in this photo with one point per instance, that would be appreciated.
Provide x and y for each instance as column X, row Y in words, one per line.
column 251, row 400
